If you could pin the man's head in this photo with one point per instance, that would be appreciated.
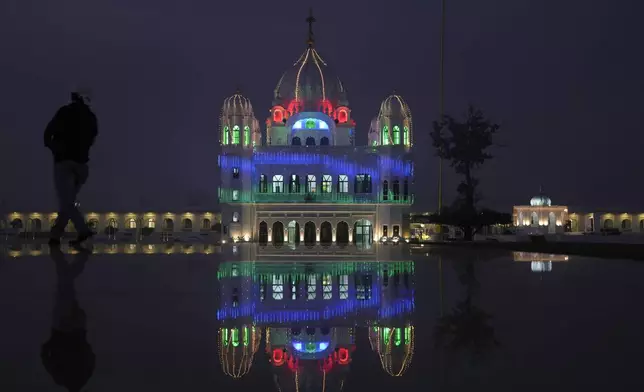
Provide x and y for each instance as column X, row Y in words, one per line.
column 82, row 95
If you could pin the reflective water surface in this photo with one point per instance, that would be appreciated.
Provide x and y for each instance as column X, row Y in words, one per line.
column 126, row 319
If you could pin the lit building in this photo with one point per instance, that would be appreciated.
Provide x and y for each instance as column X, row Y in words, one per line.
column 539, row 262
column 310, row 311
column 306, row 180
column 125, row 225
column 540, row 217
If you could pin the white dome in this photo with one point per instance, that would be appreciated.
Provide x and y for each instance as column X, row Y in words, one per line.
column 540, row 201
column 237, row 105
column 394, row 106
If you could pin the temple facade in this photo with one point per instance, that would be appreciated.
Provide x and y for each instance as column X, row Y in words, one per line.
column 305, row 179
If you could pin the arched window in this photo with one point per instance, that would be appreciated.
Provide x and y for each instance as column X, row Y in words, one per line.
column 278, row 183
column 152, row 223
column 236, row 134
column 168, row 224
column 186, row 224
column 130, row 224
column 16, row 223
column 396, row 189
column 310, row 141
column 226, row 136
column 296, row 141
column 235, row 217
column 406, row 190
column 343, row 183
column 246, row 135
column 396, row 134
column 113, row 223
column 626, row 224
column 310, row 184
column 294, row 184
column 93, row 224
column 327, row 182
column 608, row 224
column 343, row 116
column 385, row 136
column 278, row 114
column 406, row 140
column 263, row 184
column 206, row 224
column 385, row 190
column 324, row 141
column 534, row 219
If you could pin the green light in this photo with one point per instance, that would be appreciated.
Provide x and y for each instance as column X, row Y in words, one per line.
column 226, row 337
column 396, row 134
column 235, row 336
column 398, row 337
column 310, row 124
column 236, row 134
column 406, row 136
column 310, row 347
column 225, row 135
column 385, row 136
column 246, row 135
column 407, row 335
column 246, row 337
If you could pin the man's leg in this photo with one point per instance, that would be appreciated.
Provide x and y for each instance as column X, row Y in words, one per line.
column 80, row 177
column 65, row 193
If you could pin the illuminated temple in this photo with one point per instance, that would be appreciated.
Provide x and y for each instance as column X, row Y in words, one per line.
column 305, row 179
column 308, row 314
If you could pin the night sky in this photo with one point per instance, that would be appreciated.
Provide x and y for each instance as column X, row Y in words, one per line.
column 563, row 78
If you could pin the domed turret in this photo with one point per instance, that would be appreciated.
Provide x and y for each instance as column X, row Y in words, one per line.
column 237, row 347
column 541, row 201
column 394, row 122
column 238, row 125
column 395, row 347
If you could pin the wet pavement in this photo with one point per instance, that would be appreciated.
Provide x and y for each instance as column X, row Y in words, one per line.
column 205, row 319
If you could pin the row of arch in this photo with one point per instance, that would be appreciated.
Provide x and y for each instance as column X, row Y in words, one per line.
column 326, row 234
column 236, row 135
column 394, row 138
column 310, row 141
column 131, row 223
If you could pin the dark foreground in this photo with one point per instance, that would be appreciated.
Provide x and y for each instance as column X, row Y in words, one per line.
column 444, row 321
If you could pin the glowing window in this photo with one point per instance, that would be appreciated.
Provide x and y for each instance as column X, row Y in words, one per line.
column 326, row 183
column 152, row 223
column 310, row 123
column 278, row 115
column 236, row 135
column 263, row 184
column 343, row 183
column 278, row 287
column 311, row 289
column 226, row 136
column 278, row 183
column 310, row 184
column 385, row 136
column 327, row 286
column 246, row 135
column 131, row 223
column 406, row 136
column 343, row 286
column 235, row 195
column 342, row 116
column 396, row 134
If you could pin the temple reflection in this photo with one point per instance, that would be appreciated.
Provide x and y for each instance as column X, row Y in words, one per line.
column 539, row 262
column 309, row 314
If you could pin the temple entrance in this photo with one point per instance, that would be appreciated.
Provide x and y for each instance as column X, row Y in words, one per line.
column 293, row 233
column 309, row 234
column 278, row 233
column 342, row 233
column 263, row 233
column 326, row 233
column 362, row 232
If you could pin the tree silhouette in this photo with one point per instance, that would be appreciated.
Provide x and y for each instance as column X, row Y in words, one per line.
column 464, row 145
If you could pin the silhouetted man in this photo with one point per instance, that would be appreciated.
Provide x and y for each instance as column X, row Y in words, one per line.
column 69, row 136
column 67, row 355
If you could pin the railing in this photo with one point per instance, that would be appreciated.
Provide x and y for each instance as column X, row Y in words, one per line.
column 234, row 196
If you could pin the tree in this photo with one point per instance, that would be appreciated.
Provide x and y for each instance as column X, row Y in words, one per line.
column 464, row 145
column 461, row 217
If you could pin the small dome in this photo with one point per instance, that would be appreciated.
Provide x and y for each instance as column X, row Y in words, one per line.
column 310, row 81
column 237, row 105
column 540, row 201
column 394, row 106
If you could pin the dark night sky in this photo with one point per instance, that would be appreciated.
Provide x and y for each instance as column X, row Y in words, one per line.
column 564, row 78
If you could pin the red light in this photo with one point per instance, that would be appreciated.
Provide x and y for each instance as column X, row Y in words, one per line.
column 343, row 356
column 294, row 107
column 278, row 114
column 293, row 363
column 326, row 107
column 278, row 357
column 343, row 115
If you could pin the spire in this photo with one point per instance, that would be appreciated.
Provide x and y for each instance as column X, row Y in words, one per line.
column 310, row 20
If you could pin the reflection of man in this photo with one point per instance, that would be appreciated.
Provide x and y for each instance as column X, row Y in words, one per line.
column 67, row 355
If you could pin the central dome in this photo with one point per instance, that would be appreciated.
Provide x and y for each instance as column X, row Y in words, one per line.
column 310, row 81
